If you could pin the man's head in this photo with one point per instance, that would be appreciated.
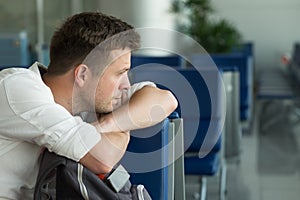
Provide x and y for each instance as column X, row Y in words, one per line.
column 95, row 49
column 82, row 33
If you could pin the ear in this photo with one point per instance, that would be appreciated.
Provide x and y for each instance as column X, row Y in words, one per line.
column 81, row 74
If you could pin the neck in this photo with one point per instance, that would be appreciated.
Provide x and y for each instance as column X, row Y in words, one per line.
column 62, row 88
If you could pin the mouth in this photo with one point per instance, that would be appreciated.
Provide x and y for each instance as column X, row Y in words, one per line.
column 116, row 102
column 117, row 97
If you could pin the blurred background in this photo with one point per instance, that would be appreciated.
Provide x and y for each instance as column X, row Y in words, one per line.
column 271, row 24
column 266, row 163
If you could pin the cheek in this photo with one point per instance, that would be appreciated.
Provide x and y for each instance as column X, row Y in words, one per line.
column 105, row 89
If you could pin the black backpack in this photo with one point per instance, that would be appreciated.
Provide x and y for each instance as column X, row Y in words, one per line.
column 60, row 178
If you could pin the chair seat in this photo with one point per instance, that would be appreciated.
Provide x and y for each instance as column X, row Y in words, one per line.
column 208, row 165
column 195, row 142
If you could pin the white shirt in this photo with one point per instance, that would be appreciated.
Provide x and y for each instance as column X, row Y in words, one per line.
column 31, row 120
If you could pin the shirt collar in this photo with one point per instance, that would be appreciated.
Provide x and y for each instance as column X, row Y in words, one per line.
column 38, row 68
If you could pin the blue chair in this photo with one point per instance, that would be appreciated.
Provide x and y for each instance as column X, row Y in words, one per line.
column 194, row 96
column 14, row 49
column 245, row 66
column 146, row 159
column 294, row 65
column 169, row 60
column 6, row 67
column 212, row 161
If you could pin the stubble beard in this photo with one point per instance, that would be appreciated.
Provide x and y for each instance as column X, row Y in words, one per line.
column 103, row 108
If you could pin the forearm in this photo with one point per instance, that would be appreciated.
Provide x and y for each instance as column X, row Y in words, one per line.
column 107, row 152
column 145, row 108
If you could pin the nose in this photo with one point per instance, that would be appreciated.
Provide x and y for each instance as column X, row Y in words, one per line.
column 124, row 82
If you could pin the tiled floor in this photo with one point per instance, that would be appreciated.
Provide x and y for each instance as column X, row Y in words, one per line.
column 269, row 167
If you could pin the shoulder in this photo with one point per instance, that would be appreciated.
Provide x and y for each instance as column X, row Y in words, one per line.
column 20, row 85
column 20, row 76
column 35, row 69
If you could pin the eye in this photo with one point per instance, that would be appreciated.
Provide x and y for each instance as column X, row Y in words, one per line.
column 123, row 71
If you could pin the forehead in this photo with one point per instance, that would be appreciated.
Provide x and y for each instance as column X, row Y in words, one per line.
column 119, row 54
column 119, row 58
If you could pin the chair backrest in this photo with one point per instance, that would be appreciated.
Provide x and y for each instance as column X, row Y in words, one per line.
column 244, row 63
column 294, row 65
column 146, row 159
column 6, row 67
column 14, row 49
column 296, row 54
column 201, row 97
column 170, row 60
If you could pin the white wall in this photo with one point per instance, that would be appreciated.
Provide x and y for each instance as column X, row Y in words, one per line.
column 143, row 14
column 271, row 24
column 140, row 13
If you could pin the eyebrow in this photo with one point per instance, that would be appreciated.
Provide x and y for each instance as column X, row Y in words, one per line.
column 125, row 69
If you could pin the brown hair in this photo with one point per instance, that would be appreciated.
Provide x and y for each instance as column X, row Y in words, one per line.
column 84, row 32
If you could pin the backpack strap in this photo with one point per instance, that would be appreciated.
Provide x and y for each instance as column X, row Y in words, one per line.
column 49, row 163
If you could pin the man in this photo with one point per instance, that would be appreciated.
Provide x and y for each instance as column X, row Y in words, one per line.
column 89, row 61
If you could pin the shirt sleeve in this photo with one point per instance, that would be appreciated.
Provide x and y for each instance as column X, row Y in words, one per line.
column 33, row 116
column 137, row 86
column 126, row 95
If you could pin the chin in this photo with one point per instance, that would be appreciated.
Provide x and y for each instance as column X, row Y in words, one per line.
column 108, row 109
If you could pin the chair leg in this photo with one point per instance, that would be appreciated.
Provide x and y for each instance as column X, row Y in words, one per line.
column 203, row 187
column 222, row 181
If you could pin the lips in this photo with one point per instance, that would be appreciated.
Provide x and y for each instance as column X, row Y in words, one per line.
column 117, row 100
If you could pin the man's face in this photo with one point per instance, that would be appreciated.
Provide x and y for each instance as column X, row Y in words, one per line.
column 113, row 82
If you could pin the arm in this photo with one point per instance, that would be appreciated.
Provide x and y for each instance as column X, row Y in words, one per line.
column 107, row 152
column 145, row 108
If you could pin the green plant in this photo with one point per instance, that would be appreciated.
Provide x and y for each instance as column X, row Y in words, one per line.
column 215, row 36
